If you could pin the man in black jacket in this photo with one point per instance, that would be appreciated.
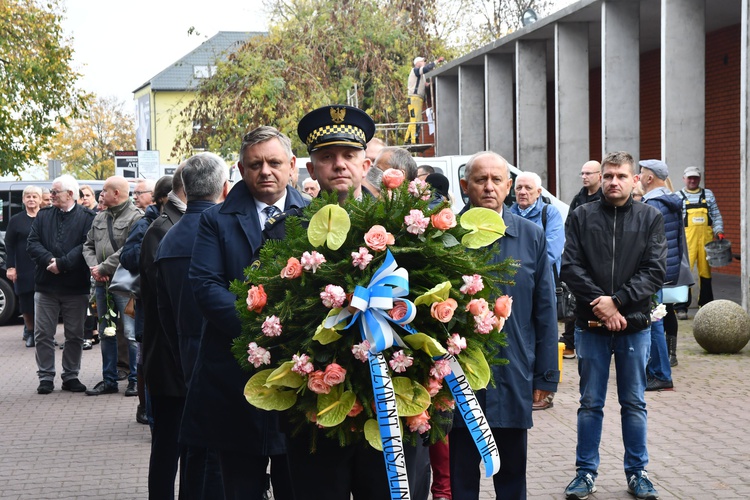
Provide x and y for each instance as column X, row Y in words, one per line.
column 614, row 262
column 591, row 178
column 61, row 282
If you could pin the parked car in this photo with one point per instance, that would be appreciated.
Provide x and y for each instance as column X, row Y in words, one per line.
column 8, row 299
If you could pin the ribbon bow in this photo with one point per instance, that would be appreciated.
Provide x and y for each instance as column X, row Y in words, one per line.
column 373, row 302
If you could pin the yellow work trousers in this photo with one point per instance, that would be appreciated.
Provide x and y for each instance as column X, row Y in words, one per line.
column 415, row 115
column 698, row 234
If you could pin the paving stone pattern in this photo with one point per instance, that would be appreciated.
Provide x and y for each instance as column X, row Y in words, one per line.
column 70, row 446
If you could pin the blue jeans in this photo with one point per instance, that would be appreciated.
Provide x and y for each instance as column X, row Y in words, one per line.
column 658, row 365
column 109, row 344
column 631, row 353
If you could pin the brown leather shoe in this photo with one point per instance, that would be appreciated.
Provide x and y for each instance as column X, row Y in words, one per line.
column 569, row 353
column 541, row 403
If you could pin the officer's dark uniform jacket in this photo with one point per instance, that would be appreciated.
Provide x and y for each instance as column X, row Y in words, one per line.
column 615, row 251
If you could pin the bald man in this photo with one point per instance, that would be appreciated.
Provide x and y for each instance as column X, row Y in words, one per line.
column 591, row 178
column 104, row 242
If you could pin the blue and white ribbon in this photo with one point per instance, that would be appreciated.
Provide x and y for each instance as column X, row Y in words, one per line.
column 390, row 428
column 373, row 302
column 468, row 407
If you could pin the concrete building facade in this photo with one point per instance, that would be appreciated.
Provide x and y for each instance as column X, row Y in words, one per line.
column 660, row 79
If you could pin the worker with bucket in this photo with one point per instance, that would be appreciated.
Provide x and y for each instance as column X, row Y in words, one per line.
column 703, row 222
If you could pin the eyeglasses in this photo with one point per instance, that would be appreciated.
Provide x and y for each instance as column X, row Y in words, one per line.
column 585, row 174
column 55, row 192
column 138, row 193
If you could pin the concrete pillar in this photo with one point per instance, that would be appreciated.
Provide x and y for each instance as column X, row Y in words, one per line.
column 471, row 109
column 531, row 107
column 683, row 83
column 620, row 77
column 571, row 105
column 745, row 153
column 498, row 85
column 446, row 119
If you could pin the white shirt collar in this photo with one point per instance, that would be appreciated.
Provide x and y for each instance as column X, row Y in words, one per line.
column 259, row 206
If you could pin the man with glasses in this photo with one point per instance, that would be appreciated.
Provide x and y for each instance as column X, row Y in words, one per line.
column 591, row 178
column 143, row 194
column 61, row 283
column 424, row 170
column 102, row 249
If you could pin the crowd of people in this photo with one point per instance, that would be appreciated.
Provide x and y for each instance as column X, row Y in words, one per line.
column 188, row 236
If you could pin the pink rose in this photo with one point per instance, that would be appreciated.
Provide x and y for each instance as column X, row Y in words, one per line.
column 443, row 311
column 333, row 296
column 419, row 423
column 256, row 299
column 393, row 178
column 316, row 383
column 293, row 269
column 334, row 374
column 377, row 238
column 444, row 219
column 478, row 307
column 356, row 409
column 503, row 306
column 398, row 311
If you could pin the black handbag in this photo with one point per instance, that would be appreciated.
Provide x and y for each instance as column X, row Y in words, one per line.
column 124, row 282
column 566, row 301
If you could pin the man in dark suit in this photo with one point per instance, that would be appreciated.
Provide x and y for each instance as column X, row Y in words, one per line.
column 205, row 183
column 217, row 416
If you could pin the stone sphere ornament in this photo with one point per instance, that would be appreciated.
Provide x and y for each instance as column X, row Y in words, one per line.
column 722, row 327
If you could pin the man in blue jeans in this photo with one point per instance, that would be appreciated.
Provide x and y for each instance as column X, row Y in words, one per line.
column 104, row 242
column 614, row 262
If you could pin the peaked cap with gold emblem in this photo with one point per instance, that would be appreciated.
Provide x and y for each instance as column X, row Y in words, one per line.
column 336, row 126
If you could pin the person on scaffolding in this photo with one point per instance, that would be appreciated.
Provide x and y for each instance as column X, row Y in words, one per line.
column 416, row 91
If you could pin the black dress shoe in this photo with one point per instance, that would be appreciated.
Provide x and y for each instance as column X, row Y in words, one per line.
column 140, row 415
column 45, row 387
column 30, row 341
column 73, row 385
column 102, row 388
column 132, row 390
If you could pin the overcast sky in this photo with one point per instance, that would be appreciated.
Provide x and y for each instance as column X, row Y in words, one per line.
column 121, row 44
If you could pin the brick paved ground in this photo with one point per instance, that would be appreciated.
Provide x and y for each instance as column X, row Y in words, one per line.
column 72, row 446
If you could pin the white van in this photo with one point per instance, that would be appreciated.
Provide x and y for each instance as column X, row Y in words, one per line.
column 453, row 168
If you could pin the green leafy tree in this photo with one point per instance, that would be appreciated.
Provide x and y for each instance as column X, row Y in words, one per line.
column 87, row 145
column 314, row 52
column 37, row 84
